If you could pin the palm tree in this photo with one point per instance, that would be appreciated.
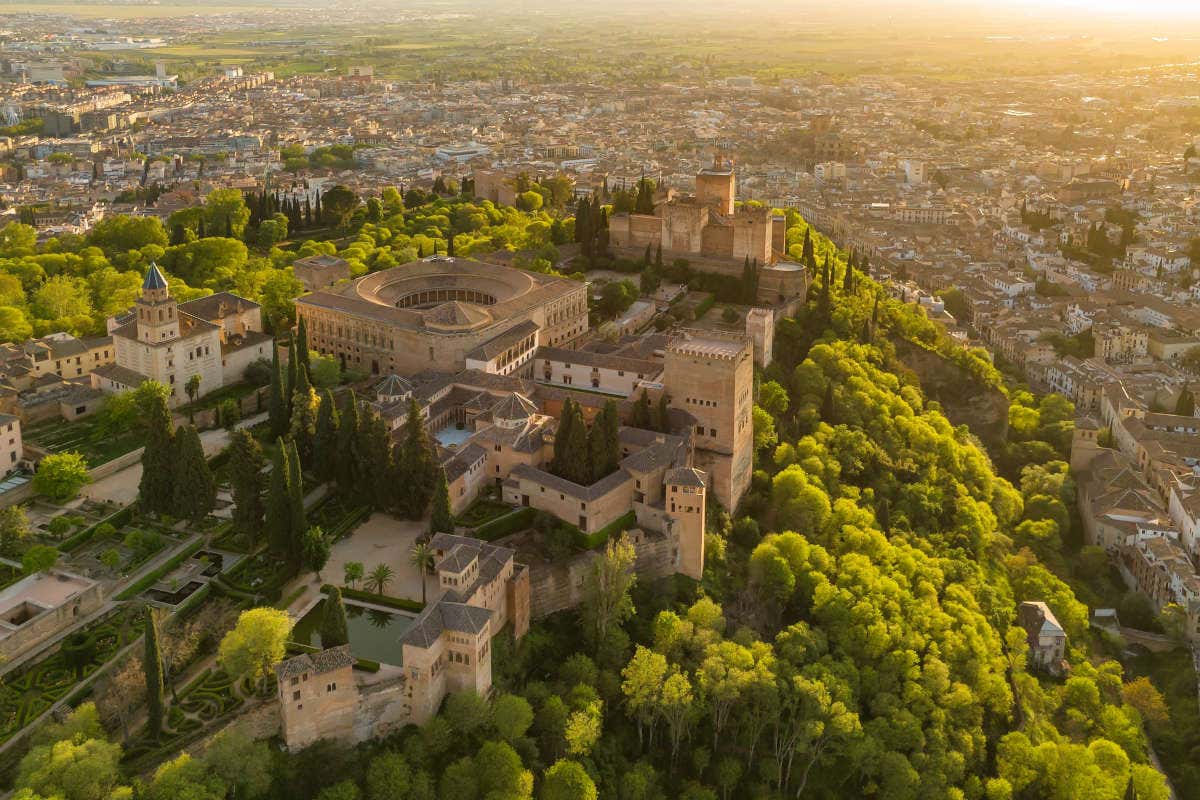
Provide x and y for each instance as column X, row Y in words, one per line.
column 421, row 557
column 353, row 572
column 379, row 578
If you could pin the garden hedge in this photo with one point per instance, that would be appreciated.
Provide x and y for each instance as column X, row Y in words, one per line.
column 400, row 603
column 518, row 520
column 150, row 579
column 117, row 519
column 622, row 523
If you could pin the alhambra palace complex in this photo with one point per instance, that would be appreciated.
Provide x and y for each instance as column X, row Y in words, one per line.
column 493, row 353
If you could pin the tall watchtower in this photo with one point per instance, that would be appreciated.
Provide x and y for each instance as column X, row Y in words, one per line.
column 157, row 311
column 683, row 496
column 710, row 375
column 716, row 187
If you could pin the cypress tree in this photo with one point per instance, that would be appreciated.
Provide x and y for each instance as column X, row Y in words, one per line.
column 278, row 518
column 346, row 466
column 152, row 666
column 807, row 255
column 290, row 386
column 303, row 427
column 178, row 234
column 415, row 463
column 609, row 423
column 658, row 254
column 297, row 519
column 1186, row 405
column 245, row 477
column 848, row 280
column 646, row 257
column 200, row 233
column 440, row 518
column 562, row 435
column 641, row 413
column 334, row 631
column 195, row 489
column 325, row 439
column 575, row 452
column 301, row 347
column 277, row 406
column 155, row 491
column 375, row 484
column 662, row 418
column 827, row 407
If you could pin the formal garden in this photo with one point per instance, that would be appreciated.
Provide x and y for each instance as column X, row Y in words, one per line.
column 481, row 511
column 211, row 696
column 30, row 690
column 90, row 436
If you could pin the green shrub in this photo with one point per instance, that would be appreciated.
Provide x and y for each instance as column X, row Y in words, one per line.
column 517, row 520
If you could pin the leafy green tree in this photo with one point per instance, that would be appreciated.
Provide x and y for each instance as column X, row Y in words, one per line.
column 567, row 780
column 60, row 476
column 315, row 548
column 338, row 203
column 511, row 716
column 352, row 573
column 583, row 729
column 466, row 712
column 256, row 644
column 84, row 769
column 606, row 595
column 388, row 776
column 14, row 528
column 241, row 763
column 342, row 790
column 39, row 558
column 501, row 773
column 185, row 777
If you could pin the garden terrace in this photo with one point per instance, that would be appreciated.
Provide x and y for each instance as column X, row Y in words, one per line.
column 84, row 436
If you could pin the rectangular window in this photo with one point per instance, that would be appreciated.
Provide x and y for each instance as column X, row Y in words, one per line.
column 332, row 687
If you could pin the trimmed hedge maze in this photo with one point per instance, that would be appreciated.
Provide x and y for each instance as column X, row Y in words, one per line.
column 25, row 695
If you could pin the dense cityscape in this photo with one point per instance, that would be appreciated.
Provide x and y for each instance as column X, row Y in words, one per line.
column 617, row 401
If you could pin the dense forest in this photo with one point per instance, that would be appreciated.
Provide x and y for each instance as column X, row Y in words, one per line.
column 854, row 635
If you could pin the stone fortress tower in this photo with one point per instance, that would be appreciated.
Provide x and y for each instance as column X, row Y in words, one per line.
column 714, row 235
column 711, row 376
